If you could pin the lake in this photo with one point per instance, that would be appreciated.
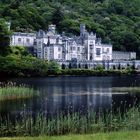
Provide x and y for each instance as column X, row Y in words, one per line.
column 74, row 94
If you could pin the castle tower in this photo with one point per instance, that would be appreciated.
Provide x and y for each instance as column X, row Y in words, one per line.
column 82, row 30
column 52, row 28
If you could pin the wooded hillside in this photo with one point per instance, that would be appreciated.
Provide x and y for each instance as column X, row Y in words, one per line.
column 115, row 21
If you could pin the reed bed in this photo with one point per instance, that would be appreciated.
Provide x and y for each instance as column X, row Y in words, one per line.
column 70, row 124
column 11, row 91
column 126, row 89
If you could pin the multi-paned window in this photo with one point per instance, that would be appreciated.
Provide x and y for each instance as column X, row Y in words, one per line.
column 74, row 48
column 78, row 49
column 28, row 40
column 107, row 50
column 59, row 56
column 91, row 47
column 39, row 42
column 59, row 49
column 19, row 39
column 98, row 51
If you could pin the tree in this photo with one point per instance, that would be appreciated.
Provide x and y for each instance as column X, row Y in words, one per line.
column 63, row 66
column 53, row 68
column 57, row 18
column 19, row 51
column 4, row 38
column 115, row 21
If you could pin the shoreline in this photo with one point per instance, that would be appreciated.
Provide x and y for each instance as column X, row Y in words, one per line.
column 75, row 73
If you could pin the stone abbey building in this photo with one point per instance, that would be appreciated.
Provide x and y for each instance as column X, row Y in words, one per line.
column 52, row 46
column 84, row 50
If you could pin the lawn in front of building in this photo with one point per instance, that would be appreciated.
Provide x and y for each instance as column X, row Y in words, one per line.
column 135, row 135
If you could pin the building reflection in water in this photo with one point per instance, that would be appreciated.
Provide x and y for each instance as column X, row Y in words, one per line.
column 71, row 94
column 78, row 97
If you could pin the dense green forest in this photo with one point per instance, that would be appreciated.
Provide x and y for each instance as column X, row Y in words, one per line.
column 115, row 21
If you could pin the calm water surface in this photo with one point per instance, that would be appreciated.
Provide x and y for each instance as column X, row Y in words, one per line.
column 73, row 94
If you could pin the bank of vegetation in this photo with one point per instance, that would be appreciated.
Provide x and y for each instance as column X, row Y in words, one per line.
column 126, row 89
column 19, row 63
column 75, row 123
column 32, row 67
column 11, row 91
column 98, row 72
column 27, row 66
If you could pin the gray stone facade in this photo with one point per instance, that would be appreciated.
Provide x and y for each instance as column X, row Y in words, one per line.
column 83, row 51
column 118, row 55
column 87, row 46
column 106, row 64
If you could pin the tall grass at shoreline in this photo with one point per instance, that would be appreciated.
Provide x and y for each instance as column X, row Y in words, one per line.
column 126, row 89
column 70, row 124
column 11, row 91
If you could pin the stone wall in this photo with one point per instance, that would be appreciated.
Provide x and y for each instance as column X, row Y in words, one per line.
column 106, row 64
column 118, row 55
